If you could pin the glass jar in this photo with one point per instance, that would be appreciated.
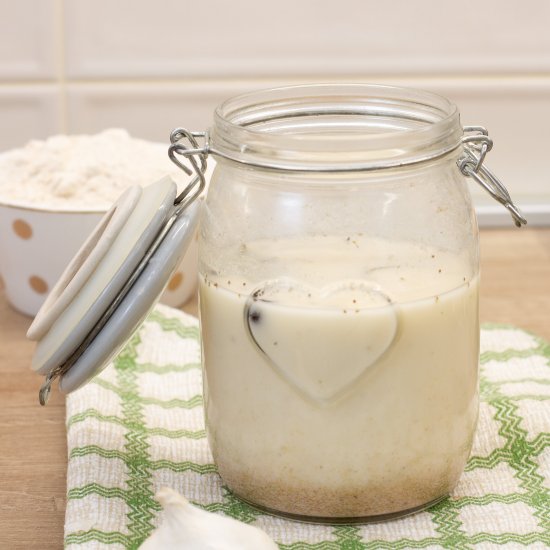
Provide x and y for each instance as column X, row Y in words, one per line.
column 339, row 275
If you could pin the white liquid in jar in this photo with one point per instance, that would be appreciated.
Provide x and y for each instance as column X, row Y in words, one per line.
column 353, row 398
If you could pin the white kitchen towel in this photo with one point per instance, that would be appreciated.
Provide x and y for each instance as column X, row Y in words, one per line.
column 139, row 426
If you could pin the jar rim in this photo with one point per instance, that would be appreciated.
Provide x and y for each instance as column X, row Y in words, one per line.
column 335, row 127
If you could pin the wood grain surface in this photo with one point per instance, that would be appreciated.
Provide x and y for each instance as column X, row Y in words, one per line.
column 515, row 289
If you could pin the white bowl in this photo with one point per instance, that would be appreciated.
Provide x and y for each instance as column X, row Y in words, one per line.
column 36, row 244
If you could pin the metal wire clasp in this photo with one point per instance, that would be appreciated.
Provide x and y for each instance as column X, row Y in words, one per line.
column 195, row 187
column 477, row 144
column 475, row 141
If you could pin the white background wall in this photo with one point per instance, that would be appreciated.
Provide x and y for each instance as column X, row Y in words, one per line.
column 83, row 65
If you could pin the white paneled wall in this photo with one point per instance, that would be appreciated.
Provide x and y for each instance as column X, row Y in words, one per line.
column 128, row 38
column 83, row 65
column 29, row 35
column 28, row 112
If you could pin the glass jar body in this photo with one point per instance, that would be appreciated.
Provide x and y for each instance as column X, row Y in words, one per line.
column 338, row 260
column 340, row 329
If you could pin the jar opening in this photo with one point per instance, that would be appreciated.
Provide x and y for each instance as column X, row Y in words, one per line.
column 329, row 127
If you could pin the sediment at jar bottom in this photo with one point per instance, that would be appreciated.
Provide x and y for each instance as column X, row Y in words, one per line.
column 375, row 499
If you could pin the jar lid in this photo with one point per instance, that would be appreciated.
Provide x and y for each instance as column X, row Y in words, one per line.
column 113, row 282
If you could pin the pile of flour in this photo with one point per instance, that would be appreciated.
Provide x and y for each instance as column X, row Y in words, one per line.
column 82, row 171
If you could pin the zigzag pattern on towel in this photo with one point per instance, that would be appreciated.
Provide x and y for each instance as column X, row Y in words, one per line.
column 444, row 525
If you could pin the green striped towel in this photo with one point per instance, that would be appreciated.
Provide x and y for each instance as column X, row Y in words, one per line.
column 139, row 426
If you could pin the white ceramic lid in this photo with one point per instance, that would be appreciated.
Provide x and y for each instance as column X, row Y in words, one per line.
column 133, row 309
column 84, row 263
column 111, row 284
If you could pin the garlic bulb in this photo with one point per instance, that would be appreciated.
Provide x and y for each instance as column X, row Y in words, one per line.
column 187, row 527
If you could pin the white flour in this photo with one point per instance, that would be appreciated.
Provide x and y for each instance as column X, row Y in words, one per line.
column 82, row 171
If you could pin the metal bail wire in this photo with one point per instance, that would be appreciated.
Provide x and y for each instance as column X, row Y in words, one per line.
column 477, row 144
column 45, row 389
column 195, row 187
column 57, row 372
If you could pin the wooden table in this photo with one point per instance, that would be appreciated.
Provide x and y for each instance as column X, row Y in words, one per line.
column 515, row 289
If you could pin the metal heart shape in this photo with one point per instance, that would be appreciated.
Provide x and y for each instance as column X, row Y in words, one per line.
column 321, row 342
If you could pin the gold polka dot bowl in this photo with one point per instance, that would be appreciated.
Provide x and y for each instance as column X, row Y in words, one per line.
column 36, row 244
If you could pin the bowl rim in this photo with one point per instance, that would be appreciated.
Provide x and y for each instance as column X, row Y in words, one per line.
column 16, row 205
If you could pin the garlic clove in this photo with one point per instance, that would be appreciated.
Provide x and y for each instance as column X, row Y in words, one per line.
column 186, row 527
